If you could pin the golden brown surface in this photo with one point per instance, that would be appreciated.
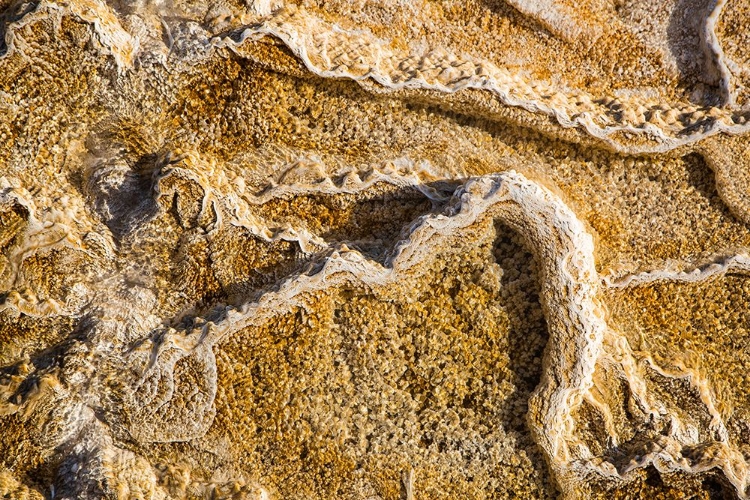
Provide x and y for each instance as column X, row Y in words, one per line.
column 374, row 249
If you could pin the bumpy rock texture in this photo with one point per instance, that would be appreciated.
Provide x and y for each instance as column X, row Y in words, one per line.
column 375, row 249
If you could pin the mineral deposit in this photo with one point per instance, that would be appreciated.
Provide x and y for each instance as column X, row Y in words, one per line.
column 374, row 249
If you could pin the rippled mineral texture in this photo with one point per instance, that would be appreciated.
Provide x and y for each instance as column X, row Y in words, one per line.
column 375, row 249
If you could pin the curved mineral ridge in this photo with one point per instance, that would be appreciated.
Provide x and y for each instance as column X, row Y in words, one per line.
column 374, row 249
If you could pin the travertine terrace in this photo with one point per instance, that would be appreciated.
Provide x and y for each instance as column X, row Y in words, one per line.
column 375, row 249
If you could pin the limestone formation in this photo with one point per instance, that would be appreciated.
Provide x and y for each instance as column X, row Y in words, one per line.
column 371, row 249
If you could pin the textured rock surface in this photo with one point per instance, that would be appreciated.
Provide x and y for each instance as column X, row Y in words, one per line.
column 374, row 249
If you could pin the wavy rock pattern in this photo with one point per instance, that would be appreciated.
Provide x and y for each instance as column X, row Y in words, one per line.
column 476, row 249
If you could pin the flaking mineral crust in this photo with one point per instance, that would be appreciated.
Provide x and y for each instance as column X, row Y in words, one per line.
column 375, row 249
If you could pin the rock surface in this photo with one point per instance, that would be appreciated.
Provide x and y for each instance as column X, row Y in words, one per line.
column 372, row 249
